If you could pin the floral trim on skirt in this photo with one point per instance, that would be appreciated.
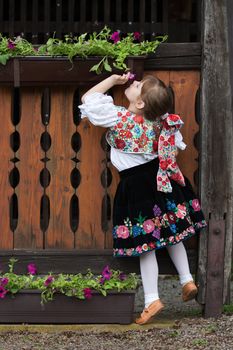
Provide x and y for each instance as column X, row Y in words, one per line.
column 145, row 219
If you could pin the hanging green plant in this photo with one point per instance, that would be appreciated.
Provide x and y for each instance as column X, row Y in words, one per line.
column 78, row 285
column 113, row 48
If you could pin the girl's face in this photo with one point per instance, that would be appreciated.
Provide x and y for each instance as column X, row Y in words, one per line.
column 133, row 92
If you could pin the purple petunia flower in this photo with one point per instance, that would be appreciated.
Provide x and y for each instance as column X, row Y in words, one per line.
column 48, row 281
column 122, row 276
column 11, row 45
column 137, row 35
column 106, row 273
column 3, row 292
column 4, row 281
column 87, row 293
column 32, row 270
column 132, row 76
column 115, row 37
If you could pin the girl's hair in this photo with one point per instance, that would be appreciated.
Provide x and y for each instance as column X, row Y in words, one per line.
column 156, row 97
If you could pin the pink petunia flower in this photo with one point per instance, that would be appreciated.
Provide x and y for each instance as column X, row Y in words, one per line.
column 132, row 76
column 137, row 35
column 115, row 37
column 32, row 270
column 3, row 292
column 11, row 45
column 87, row 293
column 4, row 281
column 48, row 281
column 106, row 273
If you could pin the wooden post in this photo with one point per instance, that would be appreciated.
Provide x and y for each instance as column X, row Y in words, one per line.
column 216, row 163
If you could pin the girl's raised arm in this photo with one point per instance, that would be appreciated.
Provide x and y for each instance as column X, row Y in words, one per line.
column 107, row 84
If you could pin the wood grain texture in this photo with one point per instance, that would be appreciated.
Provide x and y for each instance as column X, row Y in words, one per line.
column 216, row 165
column 6, row 153
column 61, row 127
column 119, row 100
column 90, row 191
column 29, row 191
column 215, row 268
column 185, row 85
column 74, row 261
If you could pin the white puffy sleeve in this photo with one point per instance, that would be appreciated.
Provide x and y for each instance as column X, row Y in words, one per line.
column 179, row 140
column 99, row 109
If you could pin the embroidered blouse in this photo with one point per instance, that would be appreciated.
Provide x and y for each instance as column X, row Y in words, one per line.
column 134, row 140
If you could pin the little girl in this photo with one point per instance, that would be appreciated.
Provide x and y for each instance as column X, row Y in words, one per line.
column 154, row 205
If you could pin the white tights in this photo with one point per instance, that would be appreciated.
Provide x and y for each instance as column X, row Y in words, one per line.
column 149, row 270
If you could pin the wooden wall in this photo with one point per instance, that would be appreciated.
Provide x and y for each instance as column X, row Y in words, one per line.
column 57, row 184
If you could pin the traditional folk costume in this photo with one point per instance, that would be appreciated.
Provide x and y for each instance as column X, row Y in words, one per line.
column 154, row 205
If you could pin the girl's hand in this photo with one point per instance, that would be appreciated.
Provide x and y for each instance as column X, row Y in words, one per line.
column 120, row 79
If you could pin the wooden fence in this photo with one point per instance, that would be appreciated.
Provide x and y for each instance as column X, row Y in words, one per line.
column 57, row 184
column 39, row 19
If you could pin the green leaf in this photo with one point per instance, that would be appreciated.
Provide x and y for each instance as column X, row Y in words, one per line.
column 107, row 66
column 4, row 59
column 95, row 68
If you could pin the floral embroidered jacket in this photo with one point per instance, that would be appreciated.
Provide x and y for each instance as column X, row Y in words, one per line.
column 135, row 134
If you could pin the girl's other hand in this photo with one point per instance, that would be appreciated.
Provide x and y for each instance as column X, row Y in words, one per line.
column 120, row 79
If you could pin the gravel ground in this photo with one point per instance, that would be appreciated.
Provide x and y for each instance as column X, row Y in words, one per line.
column 179, row 327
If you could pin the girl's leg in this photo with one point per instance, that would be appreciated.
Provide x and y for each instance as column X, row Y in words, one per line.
column 179, row 258
column 149, row 273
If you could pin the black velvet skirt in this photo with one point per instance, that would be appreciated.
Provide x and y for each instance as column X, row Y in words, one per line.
column 145, row 219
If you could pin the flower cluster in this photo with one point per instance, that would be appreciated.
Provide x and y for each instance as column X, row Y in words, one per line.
column 115, row 48
column 79, row 285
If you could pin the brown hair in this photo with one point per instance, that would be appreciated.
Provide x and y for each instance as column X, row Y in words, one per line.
column 156, row 98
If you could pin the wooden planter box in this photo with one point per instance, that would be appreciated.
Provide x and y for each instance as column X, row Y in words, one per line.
column 26, row 307
column 36, row 71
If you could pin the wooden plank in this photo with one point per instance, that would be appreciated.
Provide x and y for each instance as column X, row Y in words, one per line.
column 90, row 191
column 153, row 17
column 46, row 22
column 107, row 5
column 119, row 100
column 6, row 153
column 61, row 127
column 74, row 261
column 215, row 268
column 59, row 27
column 229, row 221
column 217, row 157
column 71, row 16
column 1, row 15
column 185, row 86
column 29, row 190
column 165, row 16
column 178, row 50
column 35, row 22
column 142, row 18
column 162, row 75
column 174, row 63
column 23, row 16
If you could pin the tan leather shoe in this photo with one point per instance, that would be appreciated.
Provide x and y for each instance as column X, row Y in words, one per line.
column 150, row 311
column 189, row 291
